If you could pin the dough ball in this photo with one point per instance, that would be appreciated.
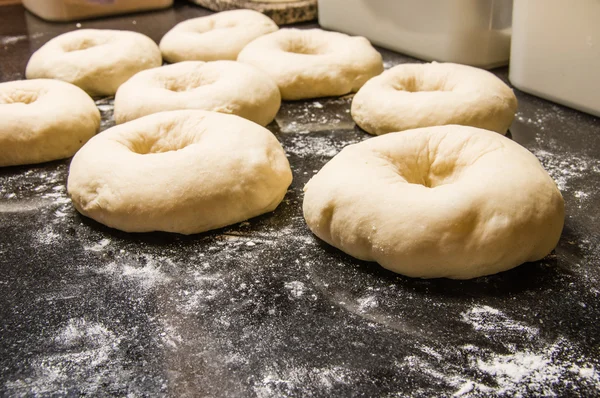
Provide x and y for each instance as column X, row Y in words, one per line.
column 314, row 63
column 219, row 36
column 221, row 86
column 98, row 61
column 43, row 120
column 410, row 96
column 447, row 201
column 179, row 171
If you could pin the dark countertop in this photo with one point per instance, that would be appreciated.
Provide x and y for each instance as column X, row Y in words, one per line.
column 264, row 309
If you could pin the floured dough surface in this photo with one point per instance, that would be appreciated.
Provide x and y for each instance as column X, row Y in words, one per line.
column 179, row 171
column 448, row 201
column 219, row 36
column 96, row 60
column 43, row 120
column 314, row 63
column 221, row 86
column 410, row 96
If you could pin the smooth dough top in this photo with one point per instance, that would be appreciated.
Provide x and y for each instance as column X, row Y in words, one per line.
column 448, row 201
column 219, row 36
column 410, row 96
column 43, row 120
column 96, row 60
column 179, row 171
column 314, row 63
column 221, row 86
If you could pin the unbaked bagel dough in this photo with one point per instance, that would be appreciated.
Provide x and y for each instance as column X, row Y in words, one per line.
column 447, row 201
column 410, row 96
column 43, row 120
column 219, row 36
column 221, row 86
column 98, row 61
column 314, row 63
column 179, row 171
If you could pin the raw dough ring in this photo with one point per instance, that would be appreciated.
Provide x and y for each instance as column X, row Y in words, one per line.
column 220, row 36
column 447, row 201
column 43, row 120
column 410, row 96
column 221, row 86
column 314, row 63
column 179, row 171
column 98, row 61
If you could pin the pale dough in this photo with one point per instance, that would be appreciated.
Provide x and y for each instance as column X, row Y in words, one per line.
column 410, row 96
column 179, row 171
column 98, row 61
column 447, row 201
column 314, row 63
column 43, row 120
column 219, row 36
column 221, row 86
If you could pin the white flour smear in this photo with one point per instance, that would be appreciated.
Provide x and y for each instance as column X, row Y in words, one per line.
column 296, row 289
column 41, row 191
column 313, row 117
column 34, row 190
column 10, row 40
column 85, row 351
column 276, row 382
column 565, row 168
column 537, row 369
column 98, row 247
column 323, row 146
column 146, row 276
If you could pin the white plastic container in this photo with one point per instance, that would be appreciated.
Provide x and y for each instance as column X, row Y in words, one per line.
column 556, row 51
column 473, row 32
column 69, row 10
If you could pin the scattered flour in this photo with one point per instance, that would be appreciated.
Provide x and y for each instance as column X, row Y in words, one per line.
column 98, row 246
column 581, row 195
column 313, row 117
column 146, row 276
column 10, row 40
column 368, row 302
column 170, row 335
column 276, row 382
column 563, row 169
column 537, row 369
column 295, row 288
column 48, row 236
column 87, row 352
column 323, row 146
column 489, row 320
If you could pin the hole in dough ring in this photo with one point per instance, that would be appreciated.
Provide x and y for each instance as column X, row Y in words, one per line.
column 98, row 61
column 43, row 120
column 314, row 63
column 220, row 36
column 221, row 86
column 179, row 171
column 447, row 201
column 410, row 96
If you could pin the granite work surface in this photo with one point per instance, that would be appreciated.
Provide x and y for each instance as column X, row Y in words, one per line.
column 263, row 308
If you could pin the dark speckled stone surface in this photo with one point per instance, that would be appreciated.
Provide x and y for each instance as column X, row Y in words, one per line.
column 264, row 309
